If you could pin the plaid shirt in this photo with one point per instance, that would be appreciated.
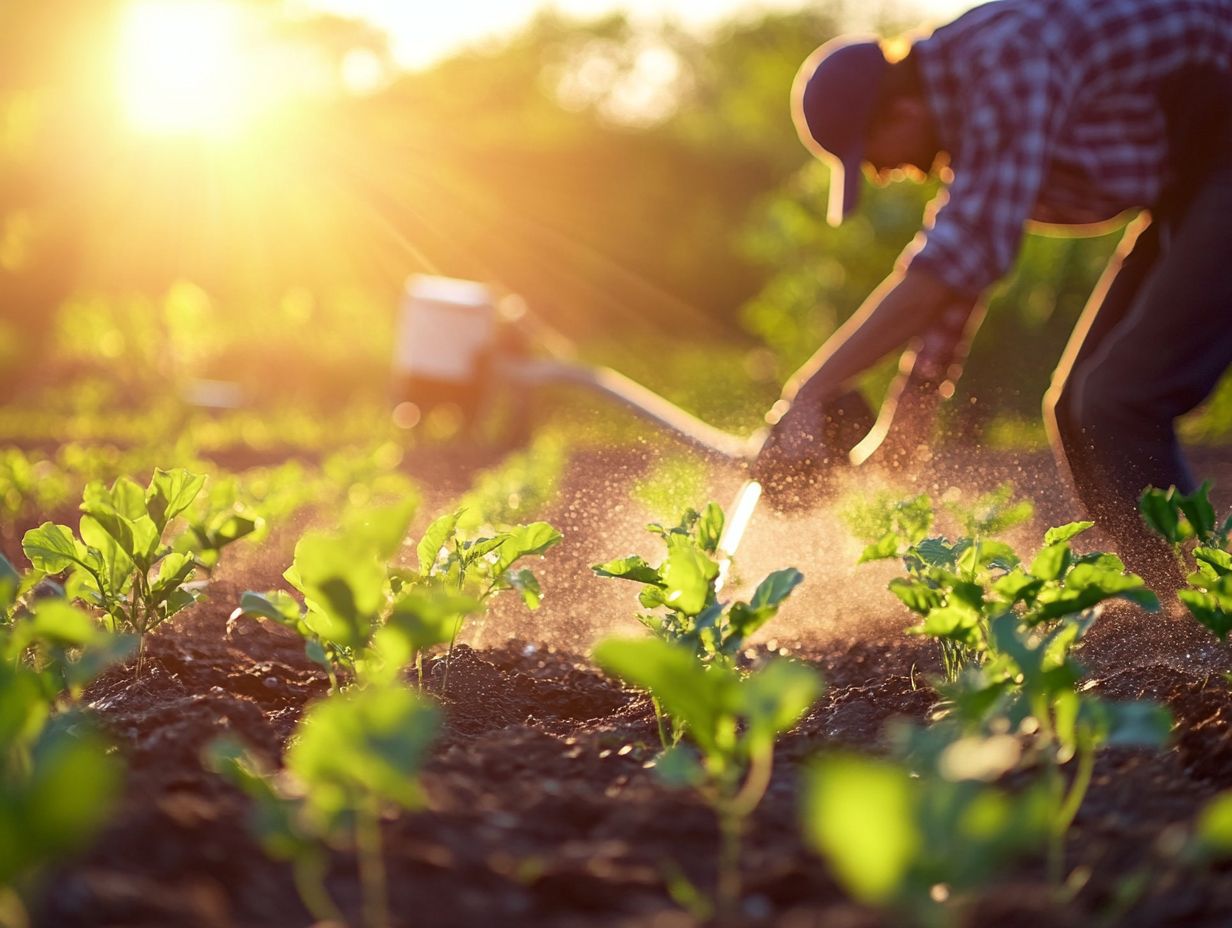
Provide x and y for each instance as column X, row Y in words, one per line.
column 1048, row 110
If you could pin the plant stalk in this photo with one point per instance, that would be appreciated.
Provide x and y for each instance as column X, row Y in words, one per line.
column 1067, row 811
column 371, row 868
column 309, row 875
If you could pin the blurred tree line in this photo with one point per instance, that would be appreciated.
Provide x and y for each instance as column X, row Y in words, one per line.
column 637, row 185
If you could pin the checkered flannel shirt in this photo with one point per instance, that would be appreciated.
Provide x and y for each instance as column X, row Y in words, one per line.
column 1048, row 110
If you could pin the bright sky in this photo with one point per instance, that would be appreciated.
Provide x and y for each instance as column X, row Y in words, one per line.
column 421, row 32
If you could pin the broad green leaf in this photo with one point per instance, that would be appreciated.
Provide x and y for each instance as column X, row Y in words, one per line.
column 363, row 747
column 693, row 695
column 173, row 570
column 278, row 605
column 1198, row 510
column 57, row 622
column 52, row 548
column 525, row 541
column 957, row 623
column 1017, row 586
column 117, row 526
column 1160, row 514
column 916, row 595
column 860, row 814
column 1220, row 561
column 653, row 597
column 774, row 698
column 381, row 528
column 171, row 492
column 887, row 547
column 688, row 575
column 987, row 553
column 177, row 600
column 436, row 537
column 934, row 552
column 231, row 528
column 346, row 585
column 431, row 615
column 481, row 547
column 1206, row 608
column 629, row 568
column 105, row 555
column 764, row 604
column 1062, row 533
column 1051, row 562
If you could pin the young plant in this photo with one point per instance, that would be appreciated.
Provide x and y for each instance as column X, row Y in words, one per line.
column 361, row 610
column 917, row 844
column 119, row 563
column 481, row 567
column 354, row 759
column 58, row 779
column 685, row 588
column 1029, row 686
column 58, row 786
column 731, row 722
column 958, row 588
column 1200, row 543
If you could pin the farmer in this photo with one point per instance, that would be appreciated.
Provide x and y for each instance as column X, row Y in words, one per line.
column 1067, row 113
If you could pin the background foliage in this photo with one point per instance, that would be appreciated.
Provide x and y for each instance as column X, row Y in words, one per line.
column 640, row 186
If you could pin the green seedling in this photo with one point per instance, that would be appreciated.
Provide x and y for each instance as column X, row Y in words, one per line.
column 62, row 647
column 1029, row 688
column 914, row 844
column 118, row 562
column 355, row 759
column 1200, row 543
column 684, row 586
column 60, row 782
column 731, row 722
column 364, row 614
column 918, row 844
column 58, row 779
column 958, row 588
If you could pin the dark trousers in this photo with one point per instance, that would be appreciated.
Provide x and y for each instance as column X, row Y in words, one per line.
column 1151, row 344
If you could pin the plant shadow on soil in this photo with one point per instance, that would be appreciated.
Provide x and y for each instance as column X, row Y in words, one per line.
column 543, row 813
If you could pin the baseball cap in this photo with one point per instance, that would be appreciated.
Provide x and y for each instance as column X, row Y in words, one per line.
column 832, row 100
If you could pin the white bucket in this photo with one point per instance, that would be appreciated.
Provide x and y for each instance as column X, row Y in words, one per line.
column 445, row 326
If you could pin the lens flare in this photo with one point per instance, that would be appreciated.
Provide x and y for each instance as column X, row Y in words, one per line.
column 182, row 67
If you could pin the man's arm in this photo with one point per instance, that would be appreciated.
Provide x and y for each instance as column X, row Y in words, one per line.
column 906, row 305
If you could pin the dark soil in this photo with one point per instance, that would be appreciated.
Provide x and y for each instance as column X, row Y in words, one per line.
column 541, row 809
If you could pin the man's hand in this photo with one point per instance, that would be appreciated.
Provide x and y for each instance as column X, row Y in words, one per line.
column 808, row 438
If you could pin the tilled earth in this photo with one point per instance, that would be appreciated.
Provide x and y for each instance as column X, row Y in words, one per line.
column 543, row 813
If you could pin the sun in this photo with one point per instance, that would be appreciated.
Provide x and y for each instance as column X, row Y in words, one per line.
column 182, row 67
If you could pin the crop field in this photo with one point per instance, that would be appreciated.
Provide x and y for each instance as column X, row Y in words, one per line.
column 409, row 686
column 415, row 511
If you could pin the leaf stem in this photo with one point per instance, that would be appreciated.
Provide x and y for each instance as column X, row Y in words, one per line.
column 309, row 875
column 1067, row 811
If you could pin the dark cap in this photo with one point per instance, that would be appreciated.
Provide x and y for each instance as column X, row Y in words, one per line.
column 832, row 104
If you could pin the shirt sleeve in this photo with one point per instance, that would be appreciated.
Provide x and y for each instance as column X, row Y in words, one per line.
column 1012, row 112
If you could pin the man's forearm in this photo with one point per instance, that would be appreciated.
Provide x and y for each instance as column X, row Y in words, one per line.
column 904, row 306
